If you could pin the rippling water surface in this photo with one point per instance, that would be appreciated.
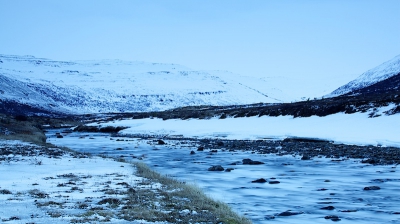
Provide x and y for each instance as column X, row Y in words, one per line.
column 305, row 186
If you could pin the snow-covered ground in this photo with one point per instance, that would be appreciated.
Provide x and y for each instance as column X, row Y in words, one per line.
column 306, row 188
column 59, row 189
column 354, row 128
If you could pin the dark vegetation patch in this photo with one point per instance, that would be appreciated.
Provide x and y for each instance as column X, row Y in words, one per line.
column 110, row 201
column 16, row 108
column 21, row 127
column 107, row 129
column 350, row 103
column 38, row 194
column 31, row 128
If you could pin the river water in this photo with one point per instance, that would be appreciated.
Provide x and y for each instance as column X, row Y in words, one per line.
column 306, row 186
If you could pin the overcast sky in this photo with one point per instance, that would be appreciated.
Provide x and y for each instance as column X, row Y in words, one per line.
column 310, row 38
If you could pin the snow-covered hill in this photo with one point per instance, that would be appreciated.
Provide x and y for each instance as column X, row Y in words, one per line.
column 378, row 74
column 121, row 86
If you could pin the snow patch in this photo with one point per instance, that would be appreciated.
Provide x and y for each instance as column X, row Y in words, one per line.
column 355, row 128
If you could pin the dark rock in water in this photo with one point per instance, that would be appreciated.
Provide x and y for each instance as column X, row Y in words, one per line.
column 220, row 143
column 160, row 142
column 372, row 188
column 261, row 180
column 247, row 161
column 214, row 151
column 60, row 136
column 251, row 162
column 333, row 218
column 289, row 213
column 229, row 169
column 200, row 148
column 328, row 208
column 216, row 168
column 192, row 153
column 322, row 189
column 274, row 182
column 305, row 157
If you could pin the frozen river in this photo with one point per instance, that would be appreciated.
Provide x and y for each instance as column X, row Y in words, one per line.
column 310, row 189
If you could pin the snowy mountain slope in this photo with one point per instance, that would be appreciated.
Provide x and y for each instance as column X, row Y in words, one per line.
column 120, row 86
column 371, row 77
column 389, row 85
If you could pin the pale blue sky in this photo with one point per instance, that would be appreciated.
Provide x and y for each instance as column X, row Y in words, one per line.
column 324, row 38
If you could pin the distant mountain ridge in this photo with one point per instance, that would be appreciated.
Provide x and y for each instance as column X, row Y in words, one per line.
column 104, row 86
column 385, row 74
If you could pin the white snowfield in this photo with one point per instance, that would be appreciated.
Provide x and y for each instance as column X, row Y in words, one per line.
column 370, row 77
column 41, row 189
column 341, row 128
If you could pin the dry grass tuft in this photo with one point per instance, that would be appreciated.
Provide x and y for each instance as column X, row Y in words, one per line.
column 26, row 130
column 182, row 203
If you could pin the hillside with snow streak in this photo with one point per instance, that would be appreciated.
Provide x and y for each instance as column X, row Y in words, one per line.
column 378, row 74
